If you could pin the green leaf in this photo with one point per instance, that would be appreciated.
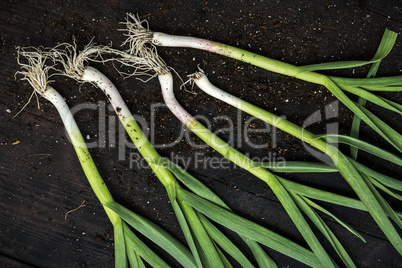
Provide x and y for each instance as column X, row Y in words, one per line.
column 383, row 88
column 209, row 256
column 385, row 189
column 385, row 47
column 249, row 229
column 393, row 137
column 225, row 261
column 192, row 183
column 324, row 229
column 135, row 248
column 375, row 84
column 220, row 239
column 140, row 263
column 197, row 187
column 294, row 213
column 326, row 196
column 119, row 245
column 383, row 203
column 346, row 226
column 260, row 255
column 359, row 144
column 186, row 231
column 355, row 129
column 366, row 95
column 397, row 106
column 321, row 195
column 384, row 179
column 155, row 234
column 297, row 166
column 375, row 123
column 366, row 195
column 135, row 260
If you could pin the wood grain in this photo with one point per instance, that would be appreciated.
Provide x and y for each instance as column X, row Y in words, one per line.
column 40, row 177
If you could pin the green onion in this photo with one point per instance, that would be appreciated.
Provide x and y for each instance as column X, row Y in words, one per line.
column 345, row 165
column 138, row 36
column 194, row 228
column 127, row 244
column 273, row 181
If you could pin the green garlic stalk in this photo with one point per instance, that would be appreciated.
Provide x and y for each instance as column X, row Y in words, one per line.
column 356, row 170
column 128, row 247
column 277, row 184
column 200, row 234
column 138, row 37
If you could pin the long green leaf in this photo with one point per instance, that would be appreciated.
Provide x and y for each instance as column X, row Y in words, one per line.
column 390, row 134
column 140, row 263
column 293, row 211
column 298, row 166
column 134, row 244
column 249, row 229
column 364, row 95
column 392, row 106
column 385, row 47
column 323, row 210
column 222, row 256
column 362, row 100
column 335, row 138
column 133, row 258
column 321, row 225
column 370, row 200
column 221, row 240
column 119, row 245
column 383, row 88
column 324, row 196
column 192, row 183
column 384, row 179
column 375, row 123
column 370, row 83
column 186, row 231
column 385, row 189
column 200, row 189
column 155, row 234
column 171, row 190
column 321, row 195
column 209, row 255
column 260, row 255
column 397, row 106
column 383, row 203
column 355, row 129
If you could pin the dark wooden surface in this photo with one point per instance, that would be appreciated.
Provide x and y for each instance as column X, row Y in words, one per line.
column 40, row 177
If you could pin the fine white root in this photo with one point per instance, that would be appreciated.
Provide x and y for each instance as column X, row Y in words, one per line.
column 35, row 71
column 146, row 62
column 75, row 209
column 74, row 62
column 137, row 35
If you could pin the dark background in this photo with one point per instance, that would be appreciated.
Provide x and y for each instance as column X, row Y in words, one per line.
column 41, row 179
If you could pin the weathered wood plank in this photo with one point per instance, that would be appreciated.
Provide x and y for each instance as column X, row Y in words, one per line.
column 13, row 263
column 40, row 177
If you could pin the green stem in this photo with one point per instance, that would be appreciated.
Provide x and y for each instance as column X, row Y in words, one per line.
column 246, row 163
column 305, row 73
column 345, row 167
column 134, row 131
column 86, row 161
